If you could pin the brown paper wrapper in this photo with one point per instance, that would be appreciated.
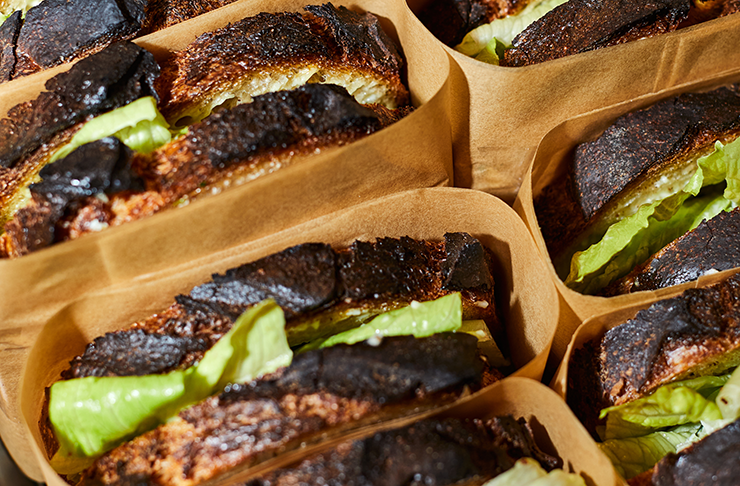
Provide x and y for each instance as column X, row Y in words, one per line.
column 39, row 346
column 549, row 162
column 415, row 152
column 499, row 114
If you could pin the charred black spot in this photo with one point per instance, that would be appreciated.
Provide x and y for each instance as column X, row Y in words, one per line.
column 300, row 278
column 98, row 167
column 466, row 265
column 134, row 353
column 387, row 267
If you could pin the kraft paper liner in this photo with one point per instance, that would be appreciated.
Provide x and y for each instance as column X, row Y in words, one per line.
column 549, row 162
column 526, row 298
column 556, row 430
column 499, row 114
column 415, row 152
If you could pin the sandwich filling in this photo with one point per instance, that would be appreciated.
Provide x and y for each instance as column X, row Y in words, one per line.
column 652, row 215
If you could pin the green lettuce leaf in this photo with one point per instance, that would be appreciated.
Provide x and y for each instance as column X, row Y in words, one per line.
column 502, row 31
column 139, row 125
column 92, row 415
column 419, row 319
column 528, row 472
column 635, row 238
column 667, row 407
column 635, row 455
column 728, row 398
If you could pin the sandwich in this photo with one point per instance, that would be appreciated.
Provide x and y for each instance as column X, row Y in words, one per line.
column 662, row 381
column 39, row 34
column 305, row 343
column 440, row 452
column 521, row 33
column 97, row 181
column 652, row 201
column 275, row 51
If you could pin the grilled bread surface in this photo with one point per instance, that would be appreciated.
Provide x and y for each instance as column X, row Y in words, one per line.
column 694, row 334
column 270, row 52
column 446, row 452
column 584, row 25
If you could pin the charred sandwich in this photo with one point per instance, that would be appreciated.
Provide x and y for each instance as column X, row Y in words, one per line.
column 665, row 173
column 270, row 52
column 40, row 34
column 539, row 31
column 97, row 182
column 662, row 381
column 440, row 452
column 225, row 339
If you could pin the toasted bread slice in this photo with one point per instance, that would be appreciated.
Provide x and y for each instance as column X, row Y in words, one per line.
column 34, row 129
column 471, row 452
column 450, row 20
column 712, row 460
column 711, row 247
column 271, row 52
column 59, row 31
column 584, row 25
column 313, row 284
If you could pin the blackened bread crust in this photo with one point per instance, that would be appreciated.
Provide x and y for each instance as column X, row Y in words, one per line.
column 712, row 246
column 450, row 20
column 244, row 58
column 230, row 147
column 584, row 25
column 59, row 31
column 471, row 451
column 113, row 78
column 322, row 392
column 694, row 334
